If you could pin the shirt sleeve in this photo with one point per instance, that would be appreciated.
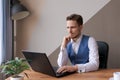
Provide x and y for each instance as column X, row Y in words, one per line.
column 93, row 63
column 62, row 57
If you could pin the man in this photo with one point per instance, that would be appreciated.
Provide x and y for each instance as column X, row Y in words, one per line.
column 81, row 50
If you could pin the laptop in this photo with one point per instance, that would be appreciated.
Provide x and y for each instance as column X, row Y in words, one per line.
column 39, row 62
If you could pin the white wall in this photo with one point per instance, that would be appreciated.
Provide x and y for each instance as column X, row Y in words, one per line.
column 43, row 30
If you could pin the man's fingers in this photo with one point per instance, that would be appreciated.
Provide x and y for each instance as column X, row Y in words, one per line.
column 62, row 70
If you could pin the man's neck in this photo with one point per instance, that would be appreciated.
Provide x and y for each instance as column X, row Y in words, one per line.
column 75, row 39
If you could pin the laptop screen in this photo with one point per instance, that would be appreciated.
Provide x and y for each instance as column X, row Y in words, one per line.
column 39, row 62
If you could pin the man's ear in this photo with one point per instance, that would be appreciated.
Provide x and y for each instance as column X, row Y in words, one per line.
column 81, row 27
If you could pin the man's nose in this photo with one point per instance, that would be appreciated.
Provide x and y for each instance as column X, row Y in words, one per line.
column 70, row 30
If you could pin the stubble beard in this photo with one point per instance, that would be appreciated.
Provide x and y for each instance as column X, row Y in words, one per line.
column 76, row 37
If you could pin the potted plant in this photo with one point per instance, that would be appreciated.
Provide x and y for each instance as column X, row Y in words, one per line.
column 15, row 67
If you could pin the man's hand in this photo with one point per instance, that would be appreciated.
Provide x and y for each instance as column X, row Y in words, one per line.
column 67, row 69
column 65, row 41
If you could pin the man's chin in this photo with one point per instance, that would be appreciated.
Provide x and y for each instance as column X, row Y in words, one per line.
column 73, row 37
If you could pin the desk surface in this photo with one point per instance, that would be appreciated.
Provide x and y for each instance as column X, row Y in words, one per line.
column 103, row 74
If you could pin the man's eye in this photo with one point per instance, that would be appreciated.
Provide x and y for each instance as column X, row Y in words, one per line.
column 67, row 27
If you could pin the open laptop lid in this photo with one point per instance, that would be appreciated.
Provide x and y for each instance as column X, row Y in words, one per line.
column 39, row 62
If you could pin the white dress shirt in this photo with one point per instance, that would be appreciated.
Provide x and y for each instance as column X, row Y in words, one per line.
column 93, row 63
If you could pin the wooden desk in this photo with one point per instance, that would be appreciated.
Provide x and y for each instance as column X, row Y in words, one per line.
column 103, row 74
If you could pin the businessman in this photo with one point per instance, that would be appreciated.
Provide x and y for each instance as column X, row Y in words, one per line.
column 80, row 49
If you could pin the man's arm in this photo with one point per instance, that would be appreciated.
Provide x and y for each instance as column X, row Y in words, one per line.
column 62, row 57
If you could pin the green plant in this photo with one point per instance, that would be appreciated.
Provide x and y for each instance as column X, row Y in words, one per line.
column 14, row 67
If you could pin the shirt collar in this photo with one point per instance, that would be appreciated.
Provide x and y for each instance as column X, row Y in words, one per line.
column 78, row 40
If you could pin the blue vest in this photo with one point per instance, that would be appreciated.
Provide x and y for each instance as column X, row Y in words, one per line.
column 82, row 56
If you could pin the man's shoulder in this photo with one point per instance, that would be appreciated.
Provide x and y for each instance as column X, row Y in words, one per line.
column 88, row 36
column 85, row 36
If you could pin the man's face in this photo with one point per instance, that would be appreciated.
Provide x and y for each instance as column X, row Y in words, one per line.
column 73, row 29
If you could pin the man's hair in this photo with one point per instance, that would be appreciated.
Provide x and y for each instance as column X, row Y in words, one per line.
column 75, row 17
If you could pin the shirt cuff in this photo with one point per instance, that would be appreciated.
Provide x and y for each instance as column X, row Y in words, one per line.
column 81, row 68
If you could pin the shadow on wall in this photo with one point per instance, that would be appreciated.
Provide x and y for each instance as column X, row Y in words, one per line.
column 53, row 57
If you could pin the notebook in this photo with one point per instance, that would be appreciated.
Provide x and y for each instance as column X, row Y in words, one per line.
column 39, row 62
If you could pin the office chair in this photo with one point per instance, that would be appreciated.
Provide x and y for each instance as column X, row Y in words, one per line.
column 103, row 49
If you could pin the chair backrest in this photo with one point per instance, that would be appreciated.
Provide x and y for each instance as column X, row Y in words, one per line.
column 103, row 49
